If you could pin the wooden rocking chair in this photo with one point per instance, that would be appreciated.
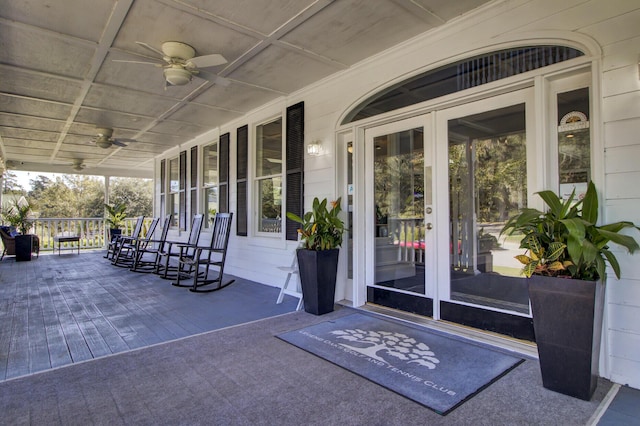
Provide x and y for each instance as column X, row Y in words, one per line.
column 151, row 248
column 125, row 255
column 214, row 255
column 169, row 250
column 117, row 240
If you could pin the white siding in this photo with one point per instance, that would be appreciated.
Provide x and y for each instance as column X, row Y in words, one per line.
column 612, row 27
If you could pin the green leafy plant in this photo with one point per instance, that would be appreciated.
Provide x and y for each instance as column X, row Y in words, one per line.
column 116, row 214
column 18, row 215
column 321, row 228
column 565, row 240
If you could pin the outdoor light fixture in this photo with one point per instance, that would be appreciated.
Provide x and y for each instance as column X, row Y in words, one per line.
column 314, row 148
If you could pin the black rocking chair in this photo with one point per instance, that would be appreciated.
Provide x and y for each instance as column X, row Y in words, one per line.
column 169, row 250
column 125, row 255
column 117, row 240
column 151, row 248
column 214, row 255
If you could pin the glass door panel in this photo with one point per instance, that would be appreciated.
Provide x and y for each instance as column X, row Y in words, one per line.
column 487, row 158
column 399, row 249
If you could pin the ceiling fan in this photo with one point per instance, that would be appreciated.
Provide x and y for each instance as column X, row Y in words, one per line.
column 104, row 140
column 77, row 164
column 181, row 63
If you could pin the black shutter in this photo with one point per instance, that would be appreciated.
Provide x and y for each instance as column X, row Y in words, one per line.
column 223, row 173
column 295, row 167
column 183, row 183
column 242, row 167
column 163, row 187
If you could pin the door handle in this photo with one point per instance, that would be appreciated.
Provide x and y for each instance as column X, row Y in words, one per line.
column 429, row 225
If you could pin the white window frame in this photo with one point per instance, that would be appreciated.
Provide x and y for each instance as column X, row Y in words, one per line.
column 258, row 179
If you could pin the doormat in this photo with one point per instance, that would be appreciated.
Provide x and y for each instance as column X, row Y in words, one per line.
column 428, row 367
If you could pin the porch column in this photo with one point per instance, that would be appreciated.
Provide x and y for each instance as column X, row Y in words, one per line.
column 106, row 201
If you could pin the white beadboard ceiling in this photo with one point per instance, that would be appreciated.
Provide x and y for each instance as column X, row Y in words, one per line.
column 59, row 81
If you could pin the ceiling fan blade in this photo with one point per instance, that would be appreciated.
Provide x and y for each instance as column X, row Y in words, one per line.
column 220, row 81
column 124, row 140
column 156, row 64
column 153, row 49
column 117, row 142
column 207, row 60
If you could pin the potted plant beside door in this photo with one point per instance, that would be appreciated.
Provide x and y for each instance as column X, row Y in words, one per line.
column 565, row 259
column 116, row 214
column 321, row 232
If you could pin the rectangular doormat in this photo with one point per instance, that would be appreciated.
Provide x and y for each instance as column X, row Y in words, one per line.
column 436, row 371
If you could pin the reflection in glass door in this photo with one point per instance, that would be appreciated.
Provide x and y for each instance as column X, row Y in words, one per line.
column 487, row 185
column 398, row 245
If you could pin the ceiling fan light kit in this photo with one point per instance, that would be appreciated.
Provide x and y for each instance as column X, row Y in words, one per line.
column 177, row 76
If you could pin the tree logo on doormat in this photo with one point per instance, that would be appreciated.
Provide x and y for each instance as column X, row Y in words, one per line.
column 398, row 345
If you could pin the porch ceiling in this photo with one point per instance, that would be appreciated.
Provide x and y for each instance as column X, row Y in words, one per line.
column 59, row 79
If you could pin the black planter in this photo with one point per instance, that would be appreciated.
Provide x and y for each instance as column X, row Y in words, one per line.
column 24, row 245
column 113, row 232
column 567, row 319
column 318, row 270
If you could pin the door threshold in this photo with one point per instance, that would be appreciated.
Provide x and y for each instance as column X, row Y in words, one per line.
column 521, row 347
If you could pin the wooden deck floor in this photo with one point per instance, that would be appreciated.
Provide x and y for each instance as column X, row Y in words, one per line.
column 58, row 310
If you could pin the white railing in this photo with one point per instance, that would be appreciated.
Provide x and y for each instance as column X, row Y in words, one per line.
column 408, row 236
column 90, row 230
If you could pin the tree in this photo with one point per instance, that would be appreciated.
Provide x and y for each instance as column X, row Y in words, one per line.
column 11, row 185
column 136, row 194
column 398, row 345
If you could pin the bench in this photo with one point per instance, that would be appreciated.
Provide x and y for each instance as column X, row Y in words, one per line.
column 60, row 239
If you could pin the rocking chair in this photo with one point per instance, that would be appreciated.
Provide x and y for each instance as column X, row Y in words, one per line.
column 150, row 247
column 125, row 255
column 117, row 240
column 214, row 255
column 168, row 249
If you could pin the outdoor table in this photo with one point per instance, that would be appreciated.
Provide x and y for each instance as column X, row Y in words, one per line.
column 65, row 239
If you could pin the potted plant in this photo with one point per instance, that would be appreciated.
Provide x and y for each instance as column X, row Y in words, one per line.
column 18, row 216
column 321, row 232
column 565, row 260
column 116, row 214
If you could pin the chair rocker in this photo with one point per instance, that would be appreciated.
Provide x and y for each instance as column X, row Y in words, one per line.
column 172, row 250
column 125, row 255
column 117, row 240
column 150, row 247
column 202, row 256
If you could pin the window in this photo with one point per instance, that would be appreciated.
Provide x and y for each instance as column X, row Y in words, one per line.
column 574, row 142
column 268, row 177
column 462, row 75
column 173, row 205
column 210, row 182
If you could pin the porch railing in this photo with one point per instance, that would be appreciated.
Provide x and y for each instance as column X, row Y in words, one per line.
column 90, row 230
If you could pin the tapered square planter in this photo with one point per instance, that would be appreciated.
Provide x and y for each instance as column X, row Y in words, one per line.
column 318, row 270
column 567, row 320
column 24, row 246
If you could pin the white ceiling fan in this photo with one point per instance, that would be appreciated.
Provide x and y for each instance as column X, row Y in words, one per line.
column 77, row 164
column 104, row 140
column 181, row 63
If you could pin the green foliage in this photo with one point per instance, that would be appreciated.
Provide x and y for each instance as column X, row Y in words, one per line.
column 137, row 194
column 321, row 229
column 565, row 240
column 17, row 214
column 116, row 214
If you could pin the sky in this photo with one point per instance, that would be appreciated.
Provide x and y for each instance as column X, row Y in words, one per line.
column 25, row 177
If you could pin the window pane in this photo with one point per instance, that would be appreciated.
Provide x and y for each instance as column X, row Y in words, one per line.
column 174, row 206
column 174, row 175
column 210, row 196
column 574, row 142
column 270, row 205
column 210, row 164
column 269, row 148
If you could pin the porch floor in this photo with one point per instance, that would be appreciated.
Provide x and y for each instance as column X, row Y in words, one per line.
column 58, row 310
column 61, row 310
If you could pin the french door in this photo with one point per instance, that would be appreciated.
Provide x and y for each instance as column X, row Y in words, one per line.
column 438, row 189
column 399, row 225
column 487, row 153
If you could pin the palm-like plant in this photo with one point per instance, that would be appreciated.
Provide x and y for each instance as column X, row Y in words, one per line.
column 565, row 240
column 116, row 215
column 18, row 215
column 321, row 228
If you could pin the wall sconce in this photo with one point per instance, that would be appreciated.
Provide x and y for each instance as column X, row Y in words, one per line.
column 314, row 148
